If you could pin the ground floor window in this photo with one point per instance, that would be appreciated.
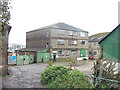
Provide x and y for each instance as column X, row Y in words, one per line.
column 95, row 52
column 67, row 53
column 90, row 52
column 60, row 52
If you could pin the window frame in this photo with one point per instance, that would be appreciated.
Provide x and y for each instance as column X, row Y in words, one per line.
column 62, row 54
column 81, row 42
column 67, row 53
column 82, row 35
column 74, row 33
column 70, row 33
column 59, row 32
column 60, row 40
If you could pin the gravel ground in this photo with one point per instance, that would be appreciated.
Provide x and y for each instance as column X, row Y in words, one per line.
column 83, row 65
column 26, row 76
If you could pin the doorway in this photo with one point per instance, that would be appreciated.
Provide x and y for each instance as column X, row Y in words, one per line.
column 54, row 57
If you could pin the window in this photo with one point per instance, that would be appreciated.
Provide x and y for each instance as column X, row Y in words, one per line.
column 47, row 45
column 61, row 32
column 60, row 42
column 47, row 34
column 70, row 32
column 83, row 34
column 72, row 42
column 75, row 42
column 67, row 53
column 95, row 52
column 60, row 52
column 90, row 52
column 82, row 42
column 75, row 33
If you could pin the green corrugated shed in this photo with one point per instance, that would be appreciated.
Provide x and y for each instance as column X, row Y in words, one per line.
column 25, row 59
column 111, row 45
column 43, row 56
column 31, row 59
column 19, row 60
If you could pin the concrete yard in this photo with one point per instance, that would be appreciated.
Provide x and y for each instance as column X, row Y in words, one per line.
column 28, row 76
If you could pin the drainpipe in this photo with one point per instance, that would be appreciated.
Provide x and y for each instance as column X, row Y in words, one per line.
column 50, row 45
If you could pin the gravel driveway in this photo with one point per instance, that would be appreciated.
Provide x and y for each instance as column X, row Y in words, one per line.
column 26, row 76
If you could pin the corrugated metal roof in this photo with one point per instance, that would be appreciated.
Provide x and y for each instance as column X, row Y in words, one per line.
column 97, row 38
column 62, row 26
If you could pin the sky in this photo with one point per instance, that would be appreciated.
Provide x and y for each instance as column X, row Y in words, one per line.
column 94, row 16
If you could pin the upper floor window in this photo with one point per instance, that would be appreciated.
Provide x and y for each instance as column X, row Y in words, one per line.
column 74, row 33
column 60, row 52
column 60, row 42
column 82, row 42
column 46, row 45
column 47, row 34
column 83, row 34
column 70, row 32
column 61, row 32
column 72, row 42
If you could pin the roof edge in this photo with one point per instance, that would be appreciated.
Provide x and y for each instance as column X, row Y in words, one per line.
column 108, row 34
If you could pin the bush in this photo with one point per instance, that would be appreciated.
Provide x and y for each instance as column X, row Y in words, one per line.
column 62, row 77
column 63, row 60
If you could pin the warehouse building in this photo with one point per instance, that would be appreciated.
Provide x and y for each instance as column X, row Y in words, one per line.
column 60, row 41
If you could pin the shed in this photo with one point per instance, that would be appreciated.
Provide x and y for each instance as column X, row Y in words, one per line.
column 110, row 45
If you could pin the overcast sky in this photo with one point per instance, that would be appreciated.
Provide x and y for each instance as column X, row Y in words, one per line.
column 94, row 16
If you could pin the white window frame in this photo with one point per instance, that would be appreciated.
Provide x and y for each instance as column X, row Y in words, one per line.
column 67, row 53
column 73, row 42
column 47, row 34
column 61, row 32
column 61, row 41
column 83, row 34
column 75, row 33
column 62, row 52
column 70, row 33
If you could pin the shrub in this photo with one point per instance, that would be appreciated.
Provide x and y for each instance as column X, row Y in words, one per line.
column 51, row 73
column 63, row 60
column 62, row 77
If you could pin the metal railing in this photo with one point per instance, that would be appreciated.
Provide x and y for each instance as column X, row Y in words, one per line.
column 99, row 82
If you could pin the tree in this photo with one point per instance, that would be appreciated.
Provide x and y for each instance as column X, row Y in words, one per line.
column 4, row 32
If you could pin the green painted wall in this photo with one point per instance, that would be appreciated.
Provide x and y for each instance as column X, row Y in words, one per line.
column 111, row 45
column 29, row 59
column 43, row 55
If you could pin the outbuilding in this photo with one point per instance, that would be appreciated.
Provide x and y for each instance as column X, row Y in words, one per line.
column 110, row 45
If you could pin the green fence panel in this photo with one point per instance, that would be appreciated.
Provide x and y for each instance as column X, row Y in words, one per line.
column 19, row 60
column 31, row 59
column 26, row 59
